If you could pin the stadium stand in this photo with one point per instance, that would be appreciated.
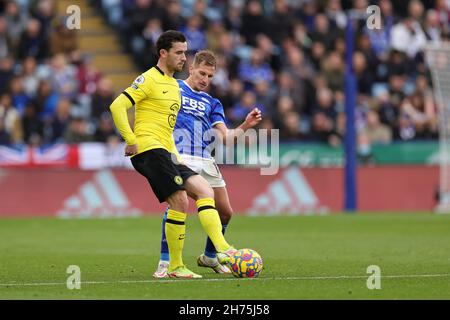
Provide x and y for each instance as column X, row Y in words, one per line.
column 285, row 56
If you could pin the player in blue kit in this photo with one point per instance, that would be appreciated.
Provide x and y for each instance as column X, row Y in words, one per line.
column 199, row 115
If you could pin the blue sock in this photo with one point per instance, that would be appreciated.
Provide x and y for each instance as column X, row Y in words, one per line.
column 210, row 250
column 164, row 248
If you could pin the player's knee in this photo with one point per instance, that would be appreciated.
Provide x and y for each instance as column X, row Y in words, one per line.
column 202, row 189
column 178, row 201
column 206, row 192
column 199, row 188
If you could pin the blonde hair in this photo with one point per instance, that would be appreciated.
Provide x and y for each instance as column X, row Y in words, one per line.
column 205, row 56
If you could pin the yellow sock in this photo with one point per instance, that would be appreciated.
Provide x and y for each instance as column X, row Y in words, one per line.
column 175, row 233
column 210, row 220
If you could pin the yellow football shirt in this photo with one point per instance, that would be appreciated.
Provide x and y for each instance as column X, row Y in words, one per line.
column 157, row 100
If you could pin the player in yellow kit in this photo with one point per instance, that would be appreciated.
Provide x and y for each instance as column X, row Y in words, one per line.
column 156, row 96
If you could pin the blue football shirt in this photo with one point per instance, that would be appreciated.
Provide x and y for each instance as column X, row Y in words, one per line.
column 198, row 114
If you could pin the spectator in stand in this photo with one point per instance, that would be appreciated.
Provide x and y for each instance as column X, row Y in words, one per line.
column 363, row 75
column 57, row 125
column 11, row 119
column 19, row 98
column 33, row 126
column 265, row 96
column 396, row 65
column 102, row 98
column 281, row 21
column 17, row 20
column 253, row 22
column 335, row 14
column 359, row 12
column 284, row 104
column 363, row 45
column 88, row 76
column 227, row 51
column 45, row 12
column 240, row 110
column 214, row 33
column 377, row 132
column 233, row 19
column 78, row 131
column 145, row 45
column 300, row 37
column 422, row 114
column 325, row 103
column 406, row 130
column 416, row 11
column 431, row 26
column 364, row 148
column 387, row 109
column 199, row 9
column 105, row 129
column 290, row 129
column 46, row 100
column 323, row 33
column 6, row 72
column 379, row 40
column 317, row 54
column 63, row 39
column 302, row 72
column 220, row 85
column 396, row 89
column 30, row 76
column 255, row 69
column 443, row 15
column 408, row 37
column 172, row 18
column 194, row 33
column 236, row 90
column 271, row 52
column 142, row 11
column 5, row 41
column 333, row 69
column 388, row 15
column 32, row 42
column 323, row 130
column 64, row 77
column 307, row 14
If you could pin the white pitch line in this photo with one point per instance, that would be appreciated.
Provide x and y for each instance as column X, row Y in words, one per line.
column 225, row 279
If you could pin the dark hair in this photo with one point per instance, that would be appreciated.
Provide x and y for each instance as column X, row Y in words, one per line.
column 166, row 40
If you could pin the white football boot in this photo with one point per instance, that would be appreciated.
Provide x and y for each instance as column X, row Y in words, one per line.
column 161, row 271
column 213, row 263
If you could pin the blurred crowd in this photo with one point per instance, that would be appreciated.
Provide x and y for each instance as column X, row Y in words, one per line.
column 285, row 56
column 50, row 91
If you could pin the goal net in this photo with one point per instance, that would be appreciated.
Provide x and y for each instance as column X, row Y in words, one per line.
column 438, row 59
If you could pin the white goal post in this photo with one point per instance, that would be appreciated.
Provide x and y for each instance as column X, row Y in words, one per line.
column 437, row 55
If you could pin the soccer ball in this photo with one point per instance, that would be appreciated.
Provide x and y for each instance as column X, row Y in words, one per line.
column 246, row 263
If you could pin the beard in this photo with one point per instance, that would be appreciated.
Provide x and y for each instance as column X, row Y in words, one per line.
column 178, row 67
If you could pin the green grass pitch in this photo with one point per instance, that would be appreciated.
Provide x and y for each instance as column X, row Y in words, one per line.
column 305, row 257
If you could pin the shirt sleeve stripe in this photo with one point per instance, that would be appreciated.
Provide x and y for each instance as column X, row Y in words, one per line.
column 129, row 97
column 216, row 122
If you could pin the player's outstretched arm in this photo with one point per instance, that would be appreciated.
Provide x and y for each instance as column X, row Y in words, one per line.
column 252, row 119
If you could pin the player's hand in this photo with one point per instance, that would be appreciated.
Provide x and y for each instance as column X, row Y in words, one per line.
column 253, row 117
column 131, row 150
